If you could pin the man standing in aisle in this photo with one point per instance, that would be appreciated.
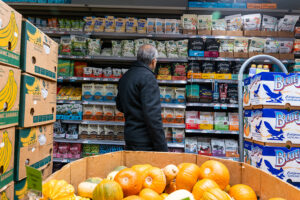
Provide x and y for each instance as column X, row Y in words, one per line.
column 139, row 99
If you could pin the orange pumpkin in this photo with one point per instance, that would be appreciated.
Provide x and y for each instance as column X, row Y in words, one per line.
column 202, row 186
column 242, row 192
column 215, row 194
column 148, row 194
column 155, row 179
column 141, row 169
column 187, row 176
column 216, row 171
column 164, row 195
column 171, row 187
column 133, row 197
column 182, row 165
column 130, row 181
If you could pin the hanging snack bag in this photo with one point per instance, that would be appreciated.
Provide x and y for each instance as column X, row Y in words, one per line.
column 99, row 24
column 182, row 48
column 241, row 45
column 257, row 45
column 204, row 22
column 285, row 47
column 65, row 45
column 219, row 25
column 269, row 23
column 110, row 24
column 94, row 47
column 131, row 25
column 120, row 25
column 116, row 47
column 89, row 24
column 151, row 25
column 171, row 47
column 252, row 22
column 159, row 26
column 288, row 23
column 272, row 46
column 142, row 26
column 234, row 22
column 161, row 49
column 189, row 22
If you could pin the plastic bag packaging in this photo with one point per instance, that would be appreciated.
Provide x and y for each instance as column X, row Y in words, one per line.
column 89, row 24
column 204, row 22
column 110, row 24
column 94, row 47
column 219, row 25
column 223, row 68
column 137, row 44
column 208, row 67
column 196, row 44
column 285, row 47
column 171, row 26
column 269, row 23
column 189, row 22
column 142, row 26
column 171, row 47
column 271, row 46
column 131, row 25
column 252, row 22
column 128, row 48
column 116, row 47
column 234, row 22
column 151, row 25
column 161, row 49
column 212, row 44
column 257, row 45
column 288, row 23
column 65, row 45
column 159, row 26
column 120, row 25
column 241, row 45
column 182, row 48
column 78, row 45
column 106, row 52
column 226, row 45
column 99, row 24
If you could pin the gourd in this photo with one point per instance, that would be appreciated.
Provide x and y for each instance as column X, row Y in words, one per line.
column 187, row 176
column 149, row 194
column 202, row 186
column 215, row 194
column 108, row 190
column 170, row 172
column 58, row 190
column 242, row 192
column 180, row 195
column 155, row 179
column 86, row 188
column 130, row 181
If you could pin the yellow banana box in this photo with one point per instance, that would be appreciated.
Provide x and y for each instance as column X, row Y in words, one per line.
column 7, row 193
column 37, row 101
column 34, row 147
column 21, row 186
column 10, row 35
column 7, row 146
column 9, row 96
column 39, row 53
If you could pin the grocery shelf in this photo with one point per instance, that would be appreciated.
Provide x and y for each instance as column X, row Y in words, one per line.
column 117, row 59
column 91, row 141
column 214, row 105
column 98, row 103
column 63, row 160
column 71, row 121
column 172, row 82
column 236, row 60
column 172, row 105
column 211, row 131
column 212, row 81
column 68, row 102
column 166, row 125
column 82, row 79
column 175, row 145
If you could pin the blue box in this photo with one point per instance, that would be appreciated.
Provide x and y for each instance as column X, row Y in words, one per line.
column 195, row 53
column 224, row 5
column 239, row 5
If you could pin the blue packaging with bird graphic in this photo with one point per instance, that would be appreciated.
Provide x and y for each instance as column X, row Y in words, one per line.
column 281, row 162
column 268, row 89
column 275, row 126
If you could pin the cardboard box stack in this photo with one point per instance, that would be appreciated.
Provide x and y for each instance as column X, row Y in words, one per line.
column 10, row 74
column 28, row 62
column 272, row 124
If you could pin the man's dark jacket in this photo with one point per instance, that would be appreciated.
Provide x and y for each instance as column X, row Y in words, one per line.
column 139, row 99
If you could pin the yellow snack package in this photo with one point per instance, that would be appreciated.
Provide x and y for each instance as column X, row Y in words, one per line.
column 110, row 24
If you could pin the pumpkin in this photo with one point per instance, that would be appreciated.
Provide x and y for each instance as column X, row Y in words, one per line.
column 170, row 172
column 58, row 190
column 164, row 195
column 227, row 188
column 133, row 197
column 149, row 194
column 242, row 192
column 141, row 169
column 130, row 181
column 81, row 198
column 171, row 187
column 187, row 176
column 180, row 195
column 182, row 165
column 155, row 179
column 277, row 199
column 216, row 171
column 202, row 186
column 111, row 176
column 215, row 194
column 86, row 188
column 108, row 190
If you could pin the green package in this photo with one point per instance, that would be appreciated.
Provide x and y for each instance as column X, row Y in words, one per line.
column 221, row 121
column 72, row 68
column 63, row 67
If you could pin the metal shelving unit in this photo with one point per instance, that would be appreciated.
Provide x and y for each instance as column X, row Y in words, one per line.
column 212, row 105
column 198, row 131
column 172, row 82
column 265, row 61
column 212, row 81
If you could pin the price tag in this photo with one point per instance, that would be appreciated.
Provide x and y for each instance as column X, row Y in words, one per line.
column 34, row 179
column 73, row 79
column 216, row 106
column 59, row 80
column 224, row 106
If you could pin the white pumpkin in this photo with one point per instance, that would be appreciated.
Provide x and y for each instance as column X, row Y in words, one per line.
column 170, row 172
column 180, row 195
column 111, row 175
column 86, row 188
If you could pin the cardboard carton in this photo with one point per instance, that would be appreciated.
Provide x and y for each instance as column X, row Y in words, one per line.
column 286, row 34
column 34, row 147
column 240, row 55
column 287, row 56
column 269, row 33
column 20, row 192
column 216, row 33
column 7, row 139
column 190, row 32
column 226, row 54
column 269, row 6
column 204, row 32
column 281, row 162
column 273, row 90
column 10, row 35
column 39, row 52
column 248, row 124
column 247, row 151
column 9, row 96
column 7, row 192
column 251, row 54
column 265, row 185
column 254, row 5
column 275, row 55
column 252, row 33
column 38, row 101
column 234, row 33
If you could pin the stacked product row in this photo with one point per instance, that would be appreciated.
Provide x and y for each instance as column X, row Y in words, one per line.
column 28, row 62
column 271, row 124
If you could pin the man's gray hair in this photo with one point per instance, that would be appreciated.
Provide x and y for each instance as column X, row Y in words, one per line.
column 146, row 54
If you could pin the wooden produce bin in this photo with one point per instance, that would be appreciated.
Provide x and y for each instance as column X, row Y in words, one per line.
column 265, row 185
